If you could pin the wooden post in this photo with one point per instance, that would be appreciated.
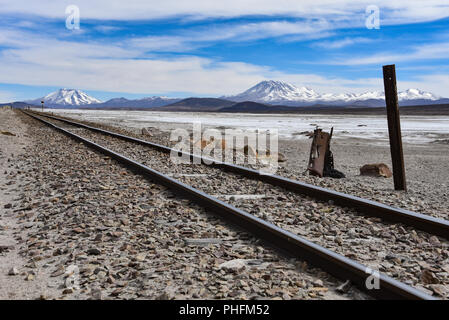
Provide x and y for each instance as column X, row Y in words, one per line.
column 394, row 127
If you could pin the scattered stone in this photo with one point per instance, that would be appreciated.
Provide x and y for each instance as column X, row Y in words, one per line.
column 146, row 132
column 344, row 287
column 434, row 240
column 7, row 133
column 29, row 277
column 58, row 272
column 440, row 289
column 7, row 206
column 94, row 252
column 68, row 291
column 376, row 170
column 428, row 277
column 13, row 271
column 96, row 294
column 5, row 248
column 233, row 265
column 116, row 292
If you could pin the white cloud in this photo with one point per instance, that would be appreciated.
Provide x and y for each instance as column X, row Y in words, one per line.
column 37, row 60
column 187, row 40
column 391, row 11
column 438, row 50
column 107, row 29
column 340, row 43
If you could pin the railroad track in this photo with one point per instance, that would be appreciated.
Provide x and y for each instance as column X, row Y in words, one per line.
column 436, row 226
column 289, row 242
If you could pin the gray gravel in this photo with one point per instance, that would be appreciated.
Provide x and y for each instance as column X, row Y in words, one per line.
column 91, row 229
column 411, row 256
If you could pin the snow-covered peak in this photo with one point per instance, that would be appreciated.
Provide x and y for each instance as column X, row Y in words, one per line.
column 413, row 94
column 271, row 91
column 68, row 97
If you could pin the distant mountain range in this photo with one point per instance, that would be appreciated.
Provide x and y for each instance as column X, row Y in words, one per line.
column 264, row 95
column 282, row 93
column 67, row 98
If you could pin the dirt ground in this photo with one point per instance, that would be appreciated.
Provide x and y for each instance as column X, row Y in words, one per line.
column 13, row 141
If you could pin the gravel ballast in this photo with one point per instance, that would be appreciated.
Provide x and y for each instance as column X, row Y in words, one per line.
column 87, row 228
column 414, row 257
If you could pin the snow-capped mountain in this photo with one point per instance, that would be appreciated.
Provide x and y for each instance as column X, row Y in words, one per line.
column 278, row 92
column 413, row 94
column 72, row 98
column 66, row 97
column 268, row 92
column 273, row 91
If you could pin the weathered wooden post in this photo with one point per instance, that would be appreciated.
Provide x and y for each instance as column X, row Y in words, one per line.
column 394, row 127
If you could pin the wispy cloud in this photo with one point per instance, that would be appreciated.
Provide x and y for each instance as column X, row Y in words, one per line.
column 234, row 32
column 423, row 52
column 108, row 54
column 107, row 29
column 393, row 12
column 341, row 43
column 109, row 67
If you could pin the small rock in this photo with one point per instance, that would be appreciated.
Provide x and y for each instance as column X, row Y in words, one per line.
column 96, row 294
column 116, row 292
column 318, row 283
column 94, row 251
column 7, row 206
column 13, row 271
column 440, row 289
column 58, row 272
column 376, row 170
column 344, row 287
column 146, row 132
column 78, row 230
column 67, row 291
column 235, row 265
column 7, row 133
column 428, row 277
column 434, row 240
column 29, row 277
column 281, row 157
column 140, row 257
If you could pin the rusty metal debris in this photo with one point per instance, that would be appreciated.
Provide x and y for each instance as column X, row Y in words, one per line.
column 321, row 159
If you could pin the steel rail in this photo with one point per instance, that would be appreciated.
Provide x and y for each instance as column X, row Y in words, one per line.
column 436, row 226
column 294, row 245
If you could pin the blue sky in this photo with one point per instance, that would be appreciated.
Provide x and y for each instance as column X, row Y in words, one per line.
column 210, row 48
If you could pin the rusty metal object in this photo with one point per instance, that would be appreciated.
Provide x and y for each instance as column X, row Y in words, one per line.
column 319, row 152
